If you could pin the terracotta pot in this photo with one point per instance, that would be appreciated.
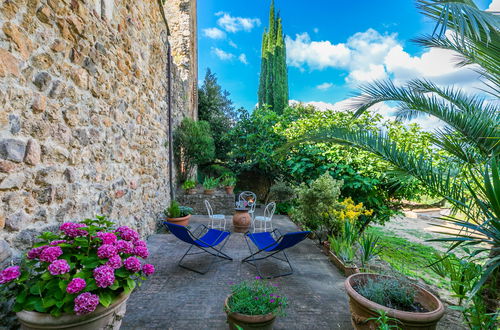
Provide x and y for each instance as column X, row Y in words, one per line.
column 261, row 322
column 229, row 190
column 241, row 220
column 182, row 221
column 209, row 191
column 101, row 318
column 363, row 309
column 191, row 191
column 347, row 270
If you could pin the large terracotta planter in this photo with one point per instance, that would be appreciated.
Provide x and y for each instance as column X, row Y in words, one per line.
column 101, row 318
column 347, row 270
column 363, row 309
column 254, row 322
column 183, row 221
column 241, row 220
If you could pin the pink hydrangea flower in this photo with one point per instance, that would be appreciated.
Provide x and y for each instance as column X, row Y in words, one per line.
column 76, row 285
column 86, row 303
column 107, row 238
column 140, row 242
column 58, row 242
column 148, row 269
column 114, row 262
column 35, row 252
column 59, row 267
column 71, row 229
column 127, row 234
column 104, row 276
column 125, row 247
column 141, row 251
column 51, row 253
column 133, row 264
column 9, row 274
column 106, row 251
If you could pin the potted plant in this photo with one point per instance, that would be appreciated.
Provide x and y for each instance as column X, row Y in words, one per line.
column 342, row 250
column 229, row 182
column 79, row 277
column 178, row 214
column 210, row 184
column 189, row 187
column 254, row 305
column 408, row 305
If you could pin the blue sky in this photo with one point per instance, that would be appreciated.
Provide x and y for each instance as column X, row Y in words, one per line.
column 332, row 45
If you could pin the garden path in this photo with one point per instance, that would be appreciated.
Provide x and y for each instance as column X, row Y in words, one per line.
column 174, row 298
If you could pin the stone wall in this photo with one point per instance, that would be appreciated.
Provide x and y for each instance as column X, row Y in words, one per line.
column 83, row 111
column 221, row 202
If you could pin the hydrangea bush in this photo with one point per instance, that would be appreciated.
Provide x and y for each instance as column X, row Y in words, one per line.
column 257, row 297
column 73, row 271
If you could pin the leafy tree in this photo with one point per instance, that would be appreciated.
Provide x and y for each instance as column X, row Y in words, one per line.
column 193, row 145
column 273, row 86
column 470, row 180
column 215, row 107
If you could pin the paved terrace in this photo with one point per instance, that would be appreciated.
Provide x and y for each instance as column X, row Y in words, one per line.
column 175, row 298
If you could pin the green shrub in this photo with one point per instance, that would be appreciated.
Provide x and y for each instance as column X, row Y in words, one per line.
column 316, row 203
column 193, row 145
column 281, row 192
column 389, row 292
column 258, row 297
column 228, row 181
column 189, row 184
column 177, row 211
column 210, row 183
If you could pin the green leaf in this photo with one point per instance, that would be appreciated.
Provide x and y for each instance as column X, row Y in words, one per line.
column 131, row 284
column 35, row 289
column 49, row 302
column 21, row 298
column 105, row 299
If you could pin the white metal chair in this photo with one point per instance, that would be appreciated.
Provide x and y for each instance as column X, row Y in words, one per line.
column 266, row 219
column 216, row 220
column 250, row 199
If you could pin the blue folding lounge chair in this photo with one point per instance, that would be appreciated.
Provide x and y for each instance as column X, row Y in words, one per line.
column 266, row 243
column 206, row 243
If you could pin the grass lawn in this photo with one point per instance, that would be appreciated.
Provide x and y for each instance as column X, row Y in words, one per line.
column 407, row 257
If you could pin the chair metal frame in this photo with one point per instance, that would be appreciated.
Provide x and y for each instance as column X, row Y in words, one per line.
column 267, row 218
column 215, row 217
column 217, row 253
column 252, row 260
column 244, row 196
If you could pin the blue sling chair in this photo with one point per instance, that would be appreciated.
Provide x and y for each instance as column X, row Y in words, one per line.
column 267, row 244
column 206, row 243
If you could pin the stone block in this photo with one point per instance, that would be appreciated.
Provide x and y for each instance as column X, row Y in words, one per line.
column 17, row 221
column 6, row 166
column 9, row 65
column 33, row 152
column 15, row 124
column 40, row 103
column 221, row 202
column 13, row 181
column 12, row 149
column 42, row 81
column 5, row 251
column 19, row 38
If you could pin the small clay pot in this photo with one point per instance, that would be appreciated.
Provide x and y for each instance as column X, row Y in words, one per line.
column 229, row 190
column 182, row 221
column 238, row 321
column 191, row 191
column 209, row 191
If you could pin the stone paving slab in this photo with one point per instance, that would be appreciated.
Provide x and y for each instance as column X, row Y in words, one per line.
column 175, row 298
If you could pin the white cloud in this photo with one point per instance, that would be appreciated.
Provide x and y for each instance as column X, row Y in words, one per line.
column 315, row 30
column 243, row 58
column 214, row 33
column 235, row 24
column 494, row 6
column 225, row 56
column 369, row 55
column 324, row 86
column 232, row 44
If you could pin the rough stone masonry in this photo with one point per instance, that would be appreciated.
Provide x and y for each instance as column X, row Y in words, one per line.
column 83, row 111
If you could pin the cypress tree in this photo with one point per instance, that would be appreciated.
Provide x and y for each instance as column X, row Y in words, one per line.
column 273, row 83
